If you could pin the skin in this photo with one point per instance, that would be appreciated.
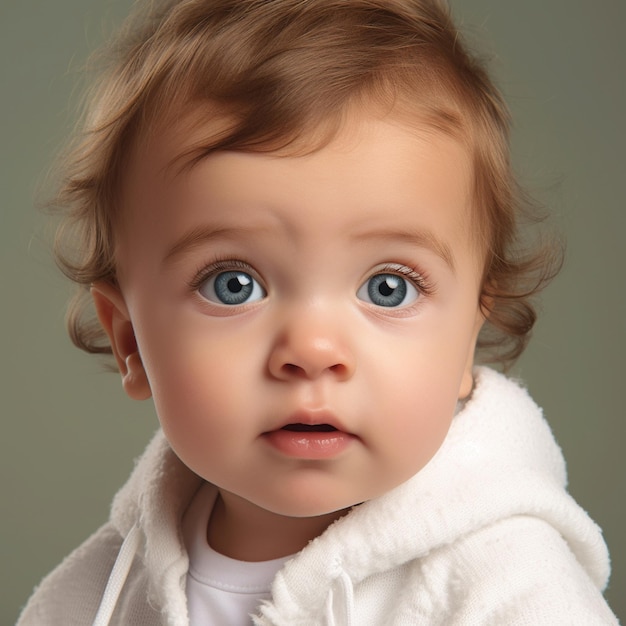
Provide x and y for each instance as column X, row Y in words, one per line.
column 309, row 346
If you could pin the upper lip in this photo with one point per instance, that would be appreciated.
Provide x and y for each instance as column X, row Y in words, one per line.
column 309, row 419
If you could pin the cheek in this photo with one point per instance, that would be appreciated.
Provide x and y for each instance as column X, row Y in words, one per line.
column 415, row 428
column 418, row 394
column 199, row 382
column 424, row 413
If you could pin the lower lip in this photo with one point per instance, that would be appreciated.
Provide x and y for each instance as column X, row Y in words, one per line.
column 309, row 445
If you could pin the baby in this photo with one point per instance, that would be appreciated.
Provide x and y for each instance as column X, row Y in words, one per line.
column 297, row 223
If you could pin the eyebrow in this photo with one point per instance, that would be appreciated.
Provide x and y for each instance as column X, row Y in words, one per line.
column 421, row 238
column 201, row 235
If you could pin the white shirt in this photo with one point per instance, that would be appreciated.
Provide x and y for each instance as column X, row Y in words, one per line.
column 221, row 591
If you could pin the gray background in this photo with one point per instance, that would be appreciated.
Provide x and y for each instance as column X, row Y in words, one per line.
column 69, row 435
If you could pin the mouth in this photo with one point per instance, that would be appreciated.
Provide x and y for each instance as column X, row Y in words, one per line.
column 310, row 428
column 310, row 437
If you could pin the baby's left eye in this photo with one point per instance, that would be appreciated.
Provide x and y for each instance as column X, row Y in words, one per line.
column 388, row 290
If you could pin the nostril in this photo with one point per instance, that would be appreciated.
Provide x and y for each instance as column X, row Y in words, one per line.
column 294, row 370
column 290, row 368
column 287, row 363
column 340, row 371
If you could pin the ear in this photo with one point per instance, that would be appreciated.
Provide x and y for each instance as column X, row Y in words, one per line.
column 467, row 381
column 115, row 319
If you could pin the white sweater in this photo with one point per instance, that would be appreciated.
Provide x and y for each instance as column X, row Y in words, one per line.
column 485, row 534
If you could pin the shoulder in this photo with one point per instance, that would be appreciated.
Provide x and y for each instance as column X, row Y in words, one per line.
column 520, row 570
column 70, row 594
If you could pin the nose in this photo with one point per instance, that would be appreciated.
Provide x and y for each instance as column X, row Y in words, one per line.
column 308, row 349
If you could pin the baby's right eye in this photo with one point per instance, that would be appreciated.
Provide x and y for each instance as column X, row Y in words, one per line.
column 231, row 288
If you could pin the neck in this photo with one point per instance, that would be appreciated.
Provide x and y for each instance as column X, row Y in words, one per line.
column 244, row 531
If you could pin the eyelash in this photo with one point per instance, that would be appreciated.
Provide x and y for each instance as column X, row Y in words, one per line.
column 217, row 266
column 419, row 278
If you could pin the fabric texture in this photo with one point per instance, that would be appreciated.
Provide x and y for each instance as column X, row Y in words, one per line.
column 221, row 590
column 485, row 534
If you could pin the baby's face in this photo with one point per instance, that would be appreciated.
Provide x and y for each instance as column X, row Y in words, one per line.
column 306, row 323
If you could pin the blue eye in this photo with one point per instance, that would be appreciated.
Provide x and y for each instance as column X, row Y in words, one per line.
column 231, row 288
column 388, row 290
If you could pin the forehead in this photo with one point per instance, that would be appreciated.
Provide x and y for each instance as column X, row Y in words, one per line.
column 372, row 171
column 174, row 145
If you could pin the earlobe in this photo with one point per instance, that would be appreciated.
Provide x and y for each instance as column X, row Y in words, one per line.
column 467, row 380
column 115, row 319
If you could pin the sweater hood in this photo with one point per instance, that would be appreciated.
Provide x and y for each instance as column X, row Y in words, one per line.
column 499, row 459
column 152, row 504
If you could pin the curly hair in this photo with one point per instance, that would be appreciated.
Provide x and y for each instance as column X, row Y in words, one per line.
column 287, row 72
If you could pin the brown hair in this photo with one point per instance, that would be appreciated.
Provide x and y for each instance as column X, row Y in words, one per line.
column 285, row 72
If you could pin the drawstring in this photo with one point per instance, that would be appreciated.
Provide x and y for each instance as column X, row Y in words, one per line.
column 339, row 607
column 339, row 603
column 118, row 576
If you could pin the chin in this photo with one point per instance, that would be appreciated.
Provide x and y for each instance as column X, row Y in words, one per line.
column 308, row 509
